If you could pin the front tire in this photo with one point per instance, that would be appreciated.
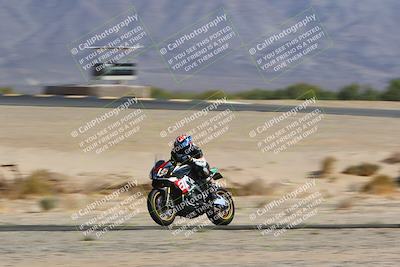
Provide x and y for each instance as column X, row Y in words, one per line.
column 158, row 210
column 222, row 217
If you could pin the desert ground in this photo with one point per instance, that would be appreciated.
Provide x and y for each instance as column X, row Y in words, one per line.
column 208, row 248
column 40, row 138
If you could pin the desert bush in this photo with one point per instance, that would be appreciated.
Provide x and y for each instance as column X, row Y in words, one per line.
column 327, row 166
column 364, row 169
column 36, row 183
column 345, row 204
column 160, row 93
column 352, row 91
column 48, row 203
column 380, row 184
column 6, row 90
column 4, row 185
column 88, row 238
column 349, row 92
column 255, row 94
column 392, row 92
column 301, row 91
column 368, row 93
column 326, row 95
column 252, row 188
column 392, row 159
column 211, row 94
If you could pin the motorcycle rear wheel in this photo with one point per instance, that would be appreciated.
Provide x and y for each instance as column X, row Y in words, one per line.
column 156, row 205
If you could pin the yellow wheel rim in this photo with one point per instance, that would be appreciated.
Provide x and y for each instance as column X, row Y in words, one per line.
column 156, row 210
column 228, row 215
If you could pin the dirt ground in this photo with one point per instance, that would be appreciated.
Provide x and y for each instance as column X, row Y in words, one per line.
column 41, row 138
column 209, row 248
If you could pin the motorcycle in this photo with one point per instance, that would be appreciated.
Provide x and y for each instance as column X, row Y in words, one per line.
column 176, row 193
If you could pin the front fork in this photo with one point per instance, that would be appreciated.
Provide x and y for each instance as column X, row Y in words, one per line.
column 169, row 202
column 168, row 195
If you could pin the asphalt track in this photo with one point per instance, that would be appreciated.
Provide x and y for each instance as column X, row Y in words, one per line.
column 238, row 227
column 178, row 104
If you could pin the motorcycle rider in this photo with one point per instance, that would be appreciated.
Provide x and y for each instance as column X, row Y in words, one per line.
column 186, row 152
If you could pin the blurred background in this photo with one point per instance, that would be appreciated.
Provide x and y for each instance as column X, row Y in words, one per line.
column 35, row 39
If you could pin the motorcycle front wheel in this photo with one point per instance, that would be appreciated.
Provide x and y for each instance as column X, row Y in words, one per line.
column 157, row 207
column 222, row 216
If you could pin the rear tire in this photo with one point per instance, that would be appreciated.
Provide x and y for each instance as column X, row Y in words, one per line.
column 219, row 217
column 156, row 206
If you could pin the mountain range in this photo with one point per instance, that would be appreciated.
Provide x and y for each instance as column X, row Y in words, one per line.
column 36, row 35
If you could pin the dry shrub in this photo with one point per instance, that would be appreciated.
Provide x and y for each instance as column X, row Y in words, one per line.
column 48, row 203
column 364, row 169
column 95, row 183
column 110, row 188
column 252, row 188
column 39, row 182
column 314, row 175
column 332, row 179
column 380, row 184
column 4, row 185
column 327, row 166
column 345, row 204
column 88, row 238
column 394, row 158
